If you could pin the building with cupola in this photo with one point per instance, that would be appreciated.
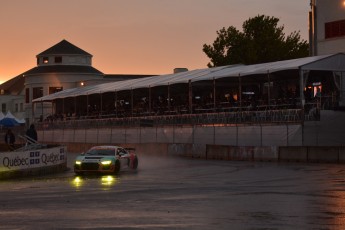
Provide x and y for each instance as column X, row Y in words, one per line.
column 60, row 67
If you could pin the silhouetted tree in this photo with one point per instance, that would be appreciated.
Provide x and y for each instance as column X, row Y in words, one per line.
column 262, row 40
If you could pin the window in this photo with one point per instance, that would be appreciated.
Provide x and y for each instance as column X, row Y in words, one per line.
column 55, row 89
column 335, row 29
column 27, row 95
column 37, row 92
column 16, row 107
column 45, row 60
column 58, row 59
column 3, row 107
column 21, row 107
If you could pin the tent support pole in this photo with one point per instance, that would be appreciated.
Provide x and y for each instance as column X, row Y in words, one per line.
column 240, row 90
column 115, row 103
column 150, row 103
column 214, row 95
column 301, row 88
column 100, row 112
column 42, row 109
column 63, row 106
column 53, row 108
column 168, row 96
column 190, row 96
column 87, row 105
column 269, row 88
column 75, row 106
column 132, row 99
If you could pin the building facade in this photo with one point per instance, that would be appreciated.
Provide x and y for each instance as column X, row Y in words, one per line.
column 62, row 66
column 327, row 27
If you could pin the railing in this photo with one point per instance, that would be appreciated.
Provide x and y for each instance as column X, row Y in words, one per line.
column 219, row 118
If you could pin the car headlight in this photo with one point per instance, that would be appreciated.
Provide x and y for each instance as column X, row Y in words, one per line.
column 78, row 162
column 106, row 162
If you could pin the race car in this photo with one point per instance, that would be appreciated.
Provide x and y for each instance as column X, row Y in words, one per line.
column 106, row 159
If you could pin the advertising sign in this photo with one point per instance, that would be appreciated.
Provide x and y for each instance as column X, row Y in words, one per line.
column 10, row 161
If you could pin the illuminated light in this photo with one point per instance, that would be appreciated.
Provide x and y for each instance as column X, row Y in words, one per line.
column 77, row 182
column 82, row 83
column 108, row 180
column 106, row 162
column 78, row 162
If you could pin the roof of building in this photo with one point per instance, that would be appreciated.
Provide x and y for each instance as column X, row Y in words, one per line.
column 15, row 85
column 335, row 62
column 64, row 47
column 127, row 76
column 63, row 69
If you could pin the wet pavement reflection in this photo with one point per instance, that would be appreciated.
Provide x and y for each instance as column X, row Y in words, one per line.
column 181, row 193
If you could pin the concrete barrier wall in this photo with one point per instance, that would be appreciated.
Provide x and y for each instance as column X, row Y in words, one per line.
column 323, row 154
column 233, row 153
column 341, row 154
column 245, row 135
column 240, row 153
column 293, row 153
column 238, row 142
column 187, row 150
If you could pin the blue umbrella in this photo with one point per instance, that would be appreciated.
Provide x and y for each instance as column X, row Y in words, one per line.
column 8, row 122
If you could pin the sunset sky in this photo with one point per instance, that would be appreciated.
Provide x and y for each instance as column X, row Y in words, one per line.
column 131, row 36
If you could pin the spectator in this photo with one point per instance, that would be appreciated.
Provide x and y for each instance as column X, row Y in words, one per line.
column 10, row 138
column 31, row 133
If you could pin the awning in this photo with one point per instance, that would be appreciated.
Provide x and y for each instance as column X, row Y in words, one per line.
column 335, row 62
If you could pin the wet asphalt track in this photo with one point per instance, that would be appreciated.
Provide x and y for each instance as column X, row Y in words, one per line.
column 177, row 193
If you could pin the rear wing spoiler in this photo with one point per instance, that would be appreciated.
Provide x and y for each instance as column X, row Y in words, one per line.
column 130, row 149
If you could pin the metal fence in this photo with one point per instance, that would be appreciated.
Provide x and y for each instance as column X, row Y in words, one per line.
column 221, row 118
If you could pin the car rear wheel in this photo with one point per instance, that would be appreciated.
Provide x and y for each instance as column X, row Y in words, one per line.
column 135, row 163
column 78, row 173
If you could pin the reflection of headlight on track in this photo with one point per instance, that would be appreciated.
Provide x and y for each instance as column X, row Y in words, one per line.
column 106, row 162
column 108, row 180
column 77, row 182
column 78, row 162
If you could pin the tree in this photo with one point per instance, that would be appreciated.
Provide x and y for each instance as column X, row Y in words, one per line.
column 262, row 40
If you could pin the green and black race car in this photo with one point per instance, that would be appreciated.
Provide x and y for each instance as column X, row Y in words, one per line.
column 106, row 159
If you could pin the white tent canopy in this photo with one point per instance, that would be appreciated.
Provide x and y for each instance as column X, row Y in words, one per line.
column 335, row 62
column 11, row 116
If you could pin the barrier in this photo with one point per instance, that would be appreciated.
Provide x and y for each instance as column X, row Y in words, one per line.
column 33, row 161
column 323, row 154
column 293, row 153
column 312, row 154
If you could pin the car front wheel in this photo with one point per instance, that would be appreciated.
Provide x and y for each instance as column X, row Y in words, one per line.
column 117, row 167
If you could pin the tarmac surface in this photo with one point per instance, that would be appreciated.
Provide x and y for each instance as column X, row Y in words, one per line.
column 180, row 193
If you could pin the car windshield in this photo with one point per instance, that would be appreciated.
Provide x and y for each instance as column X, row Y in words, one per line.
column 103, row 152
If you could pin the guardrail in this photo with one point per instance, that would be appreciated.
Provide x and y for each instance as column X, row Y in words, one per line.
column 220, row 118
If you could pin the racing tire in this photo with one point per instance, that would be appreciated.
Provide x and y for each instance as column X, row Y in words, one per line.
column 79, row 173
column 117, row 167
column 135, row 163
